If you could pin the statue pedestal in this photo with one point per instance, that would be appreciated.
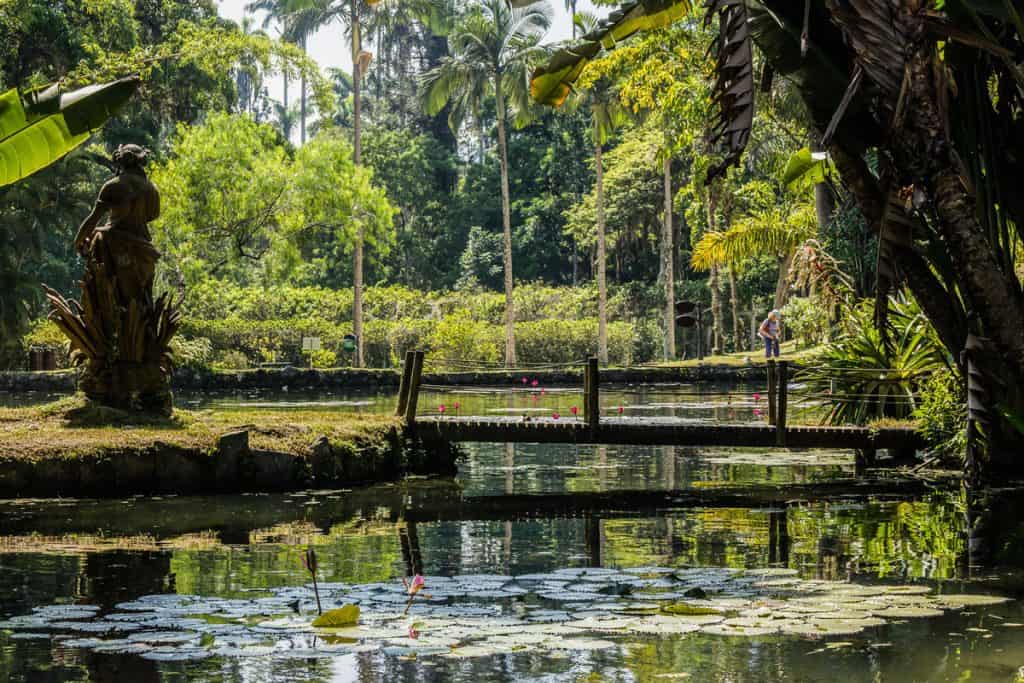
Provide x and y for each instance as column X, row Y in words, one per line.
column 123, row 346
column 128, row 386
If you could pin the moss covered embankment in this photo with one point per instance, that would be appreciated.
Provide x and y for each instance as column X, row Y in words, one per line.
column 72, row 449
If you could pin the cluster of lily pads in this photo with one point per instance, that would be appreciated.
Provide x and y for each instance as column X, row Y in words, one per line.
column 484, row 615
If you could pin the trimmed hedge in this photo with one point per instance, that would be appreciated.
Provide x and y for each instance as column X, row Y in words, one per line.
column 456, row 337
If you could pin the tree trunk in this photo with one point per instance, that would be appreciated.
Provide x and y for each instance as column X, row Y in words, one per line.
column 824, row 205
column 716, row 313
column 602, row 256
column 506, row 220
column 668, row 265
column 716, row 304
column 782, row 284
column 753, row 325
column 940, row 305
column 302, row 100
column 357, row 149
column 737, row 328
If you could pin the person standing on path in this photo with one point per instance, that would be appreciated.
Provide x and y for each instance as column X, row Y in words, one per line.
column 769, row 331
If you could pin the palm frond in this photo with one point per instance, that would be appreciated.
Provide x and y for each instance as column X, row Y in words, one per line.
column 769, row 232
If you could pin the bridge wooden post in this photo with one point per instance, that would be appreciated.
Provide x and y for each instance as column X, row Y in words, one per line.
column 403, row 387
column 780, row 416
column 413, row 390
column 593, row 402
column 772, row 407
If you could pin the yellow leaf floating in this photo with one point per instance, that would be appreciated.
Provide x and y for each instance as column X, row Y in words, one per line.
column 348, row 615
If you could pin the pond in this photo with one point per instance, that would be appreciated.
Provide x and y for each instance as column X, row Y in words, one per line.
column 214, row 589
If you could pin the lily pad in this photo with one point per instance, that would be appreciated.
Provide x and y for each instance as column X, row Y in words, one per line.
column 343, row 616
column 970, row 600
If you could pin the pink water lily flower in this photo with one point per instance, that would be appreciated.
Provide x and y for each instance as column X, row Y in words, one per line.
column 416, row 585
column 757, row 397
column 441, row 408
column 413, row 633
column 525, row 381
column 555, row 416
column 457, row 406
column 535, row 383
column 574, row 410
column 620, row 410
column 757, row 413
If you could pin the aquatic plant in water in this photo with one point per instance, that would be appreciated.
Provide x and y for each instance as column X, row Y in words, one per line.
column 479, row 615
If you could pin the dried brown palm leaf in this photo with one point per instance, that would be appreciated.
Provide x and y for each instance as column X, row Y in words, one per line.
column 733, row 90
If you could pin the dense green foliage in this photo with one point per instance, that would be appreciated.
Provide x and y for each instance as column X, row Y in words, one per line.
column 251, row 325
column 266, row 202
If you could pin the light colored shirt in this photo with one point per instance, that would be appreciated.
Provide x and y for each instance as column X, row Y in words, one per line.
column 770, row 328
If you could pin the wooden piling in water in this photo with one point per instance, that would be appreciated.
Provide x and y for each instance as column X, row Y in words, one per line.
column 782, row 382
column 593, row 401
column 772, row 407
column 403, row 387
column 413, row 392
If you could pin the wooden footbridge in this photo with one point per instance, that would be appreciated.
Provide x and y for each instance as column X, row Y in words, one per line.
column 594, row 428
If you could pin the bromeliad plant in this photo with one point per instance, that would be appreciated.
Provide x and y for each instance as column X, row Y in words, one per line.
column 867, row 374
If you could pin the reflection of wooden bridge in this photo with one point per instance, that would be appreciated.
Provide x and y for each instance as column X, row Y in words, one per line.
column 592, row 428
column 665, row 431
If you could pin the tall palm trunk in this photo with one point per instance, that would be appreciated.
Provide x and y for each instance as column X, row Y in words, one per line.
column 668, row 264
column 506, row 220
column 737, row 329
column 602, row 291
column 302, row 99
column 716, row 302
column 357, row 153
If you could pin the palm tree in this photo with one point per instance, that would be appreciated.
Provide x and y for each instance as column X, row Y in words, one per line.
column 297, row 23
column 606, row 113
column 285, row 119
column 314, row 14
column 494, row 50
column 774, row 231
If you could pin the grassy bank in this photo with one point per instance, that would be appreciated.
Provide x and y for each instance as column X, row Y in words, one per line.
column 71, row 448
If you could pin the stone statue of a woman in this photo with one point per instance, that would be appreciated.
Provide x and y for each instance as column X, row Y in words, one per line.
column 119, row 332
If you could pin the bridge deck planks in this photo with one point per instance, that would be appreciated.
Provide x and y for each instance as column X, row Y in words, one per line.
column 660, row 431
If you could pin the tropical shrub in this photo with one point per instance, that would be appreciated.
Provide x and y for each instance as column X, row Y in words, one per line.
column 865, row 375
column 194, row 354
column 231, row 360
column 43, row 333
column 806, row 320
column 942, row 413
column 322, row 358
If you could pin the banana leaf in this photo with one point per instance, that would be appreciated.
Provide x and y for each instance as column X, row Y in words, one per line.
column 41, row 126
column 803, row 169
column 552, row 83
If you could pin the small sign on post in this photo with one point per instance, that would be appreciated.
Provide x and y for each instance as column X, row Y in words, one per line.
column 309, row 345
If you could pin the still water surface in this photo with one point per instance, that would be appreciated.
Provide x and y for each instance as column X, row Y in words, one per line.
column 107, row 552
